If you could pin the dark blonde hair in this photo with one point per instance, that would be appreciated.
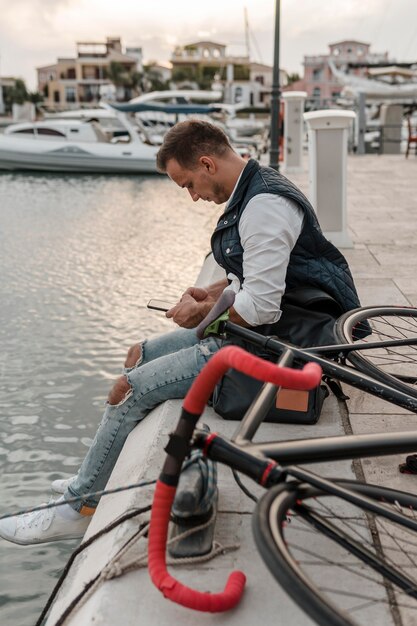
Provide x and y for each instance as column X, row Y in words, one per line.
column 187, row 141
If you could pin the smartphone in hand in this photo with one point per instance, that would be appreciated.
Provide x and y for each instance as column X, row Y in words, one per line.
column 159, row 305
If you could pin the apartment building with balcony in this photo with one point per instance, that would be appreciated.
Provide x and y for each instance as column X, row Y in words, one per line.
column 97, row 68
column 351, row 56
column 206, row 64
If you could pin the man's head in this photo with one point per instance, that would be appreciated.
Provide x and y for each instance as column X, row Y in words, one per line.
column 187, row 141
column 197, row 156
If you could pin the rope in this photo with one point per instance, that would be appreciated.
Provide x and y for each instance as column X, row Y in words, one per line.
column 207, row 469
column 141, row 560
column 115, row 569
column 80, row 549
column 94, row 583
column 208, row 472
column 98, row 494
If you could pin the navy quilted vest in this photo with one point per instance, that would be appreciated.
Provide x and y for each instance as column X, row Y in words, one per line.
column 314, row 261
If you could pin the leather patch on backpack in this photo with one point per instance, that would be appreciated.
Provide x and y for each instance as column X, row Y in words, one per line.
column 292, row 400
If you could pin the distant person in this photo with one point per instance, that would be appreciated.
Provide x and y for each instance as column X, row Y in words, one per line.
column 268, row 241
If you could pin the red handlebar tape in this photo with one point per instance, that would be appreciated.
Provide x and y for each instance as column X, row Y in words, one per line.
column 237, row 358
column 171, row 588
column 194, row 403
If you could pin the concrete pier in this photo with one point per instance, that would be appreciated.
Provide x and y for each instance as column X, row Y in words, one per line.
column 382, row 224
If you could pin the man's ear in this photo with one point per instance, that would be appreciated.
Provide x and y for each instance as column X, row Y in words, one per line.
column 208, row 164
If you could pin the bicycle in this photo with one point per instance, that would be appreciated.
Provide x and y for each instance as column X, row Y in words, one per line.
column 359, row 526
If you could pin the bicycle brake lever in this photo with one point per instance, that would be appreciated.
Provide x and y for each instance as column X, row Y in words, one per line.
column 219, row 313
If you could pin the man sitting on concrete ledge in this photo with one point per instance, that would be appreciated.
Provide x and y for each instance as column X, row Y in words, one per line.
column 268, row 240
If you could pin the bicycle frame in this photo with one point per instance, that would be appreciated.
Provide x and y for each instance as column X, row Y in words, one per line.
column 343, row 373
column 217, row 323
column 257, row 460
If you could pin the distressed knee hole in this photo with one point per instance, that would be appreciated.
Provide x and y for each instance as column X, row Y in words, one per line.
column 204, row 350
column 120, row 392
column 134, row 356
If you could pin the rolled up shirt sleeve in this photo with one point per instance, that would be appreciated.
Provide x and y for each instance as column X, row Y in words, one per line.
column 269, row 228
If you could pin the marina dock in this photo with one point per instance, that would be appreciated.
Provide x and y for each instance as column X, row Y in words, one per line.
column 382, row 220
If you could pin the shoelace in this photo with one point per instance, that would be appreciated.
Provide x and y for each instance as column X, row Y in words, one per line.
column 32, row 519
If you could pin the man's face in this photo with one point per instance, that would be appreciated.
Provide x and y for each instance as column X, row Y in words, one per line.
column 200, row 182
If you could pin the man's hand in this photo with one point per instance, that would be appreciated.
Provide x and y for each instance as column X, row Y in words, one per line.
column 189, row 312
column 198, row 293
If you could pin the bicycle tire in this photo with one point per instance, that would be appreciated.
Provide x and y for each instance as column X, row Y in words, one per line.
column 394, row 366
column 311, row 582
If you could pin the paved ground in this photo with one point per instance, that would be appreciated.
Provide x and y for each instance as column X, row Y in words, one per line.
column 382, row 217
column 382, row 223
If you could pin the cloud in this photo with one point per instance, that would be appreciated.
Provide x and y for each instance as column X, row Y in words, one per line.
column 36, row 32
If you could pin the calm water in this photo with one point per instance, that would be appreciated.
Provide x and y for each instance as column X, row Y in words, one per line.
column 80, row 256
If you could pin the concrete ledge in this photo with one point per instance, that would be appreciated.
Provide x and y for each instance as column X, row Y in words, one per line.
column 132, row 599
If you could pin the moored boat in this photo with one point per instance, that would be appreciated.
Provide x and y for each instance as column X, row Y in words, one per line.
column 77, row 146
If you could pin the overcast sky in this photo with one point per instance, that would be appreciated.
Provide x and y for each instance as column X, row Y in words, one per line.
column 36, row 32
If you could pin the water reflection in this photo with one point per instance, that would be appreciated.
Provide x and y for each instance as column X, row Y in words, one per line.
column 80, row 256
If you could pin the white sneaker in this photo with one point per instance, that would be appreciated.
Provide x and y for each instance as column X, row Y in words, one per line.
column 62, row 484
column 42, row 526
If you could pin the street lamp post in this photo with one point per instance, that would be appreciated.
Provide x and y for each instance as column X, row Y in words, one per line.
column 1, row 96
column 275, row 97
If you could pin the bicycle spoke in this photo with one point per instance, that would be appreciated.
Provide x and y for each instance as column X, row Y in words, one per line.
column 386, row 323
column 362, row 588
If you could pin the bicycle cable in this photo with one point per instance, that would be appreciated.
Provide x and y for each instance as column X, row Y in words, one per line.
column 243, row 487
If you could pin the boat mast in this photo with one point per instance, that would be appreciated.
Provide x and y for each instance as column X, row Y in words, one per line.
column 247, row 41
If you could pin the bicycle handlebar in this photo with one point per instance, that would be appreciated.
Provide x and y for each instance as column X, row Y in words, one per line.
column 169, row 586
column 237, row 358
column 193, row 406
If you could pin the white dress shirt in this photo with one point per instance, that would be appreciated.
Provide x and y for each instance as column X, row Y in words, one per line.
column 269, row 228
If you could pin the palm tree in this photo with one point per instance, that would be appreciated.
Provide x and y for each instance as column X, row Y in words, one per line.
column 122, row 77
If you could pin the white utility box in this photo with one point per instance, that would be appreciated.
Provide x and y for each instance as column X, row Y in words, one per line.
column 327, row 144
column 293, row 129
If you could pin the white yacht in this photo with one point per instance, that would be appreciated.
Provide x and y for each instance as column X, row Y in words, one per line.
column 63, row 145
column 156, row 112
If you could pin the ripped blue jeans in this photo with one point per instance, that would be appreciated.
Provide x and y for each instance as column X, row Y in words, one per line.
column 168, row 366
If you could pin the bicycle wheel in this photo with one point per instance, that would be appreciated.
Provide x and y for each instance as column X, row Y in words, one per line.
column 314, row 546
column 396, row 366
